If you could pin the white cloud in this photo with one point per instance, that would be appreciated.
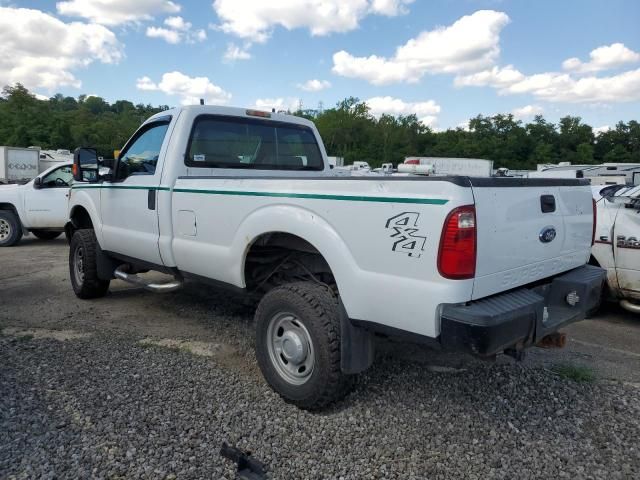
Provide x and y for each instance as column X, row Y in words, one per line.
column 177, row 23
column 256, row 19
column 235, row 52
column 116, row 12
column 425, row 111
column 527, row 111
column 189, row 89
column 314, row 85
column 603, row 58
column 497, row 77
column 598, row 130
column 279, row 104
column 145, row 83
column 556, row 87
column 169, row 36
column 559, row 87
column 40, row 51
column 179, row 31
column 472, row 43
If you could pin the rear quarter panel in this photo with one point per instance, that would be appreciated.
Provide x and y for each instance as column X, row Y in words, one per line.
column 379, row 237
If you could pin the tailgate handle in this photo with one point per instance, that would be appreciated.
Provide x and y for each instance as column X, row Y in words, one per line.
column 547, row 203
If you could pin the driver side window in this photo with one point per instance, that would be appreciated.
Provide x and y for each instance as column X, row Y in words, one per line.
column 141, row 156
column 60, row 177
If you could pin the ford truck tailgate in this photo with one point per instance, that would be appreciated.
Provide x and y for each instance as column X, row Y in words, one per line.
column 528, row 230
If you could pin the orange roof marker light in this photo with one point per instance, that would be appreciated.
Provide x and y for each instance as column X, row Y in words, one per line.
column 258, row 113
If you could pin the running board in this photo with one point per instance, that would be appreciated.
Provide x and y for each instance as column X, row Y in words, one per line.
column 121, row 273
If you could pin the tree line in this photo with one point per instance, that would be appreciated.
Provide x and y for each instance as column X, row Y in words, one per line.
column 348, row 130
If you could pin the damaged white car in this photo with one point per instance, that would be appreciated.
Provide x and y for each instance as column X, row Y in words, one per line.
column 617, row 242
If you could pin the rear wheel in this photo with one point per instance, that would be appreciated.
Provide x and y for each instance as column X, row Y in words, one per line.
column 10, row 229
column 46, row 234
column 83, row 266
column 298, row 345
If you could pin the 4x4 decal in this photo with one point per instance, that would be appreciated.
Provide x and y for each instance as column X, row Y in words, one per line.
column 406, row 234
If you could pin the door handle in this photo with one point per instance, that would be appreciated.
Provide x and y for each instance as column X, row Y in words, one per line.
column 151, row 200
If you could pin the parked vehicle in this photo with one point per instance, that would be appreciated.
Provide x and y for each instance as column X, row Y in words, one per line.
column 617, row 242
column 18, row 164
column 247, row 199
column 39, row 206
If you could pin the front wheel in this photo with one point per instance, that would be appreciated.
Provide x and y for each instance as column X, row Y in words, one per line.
column 83, row 266
column 298, row 345
column 46, row 234
column 10, row 229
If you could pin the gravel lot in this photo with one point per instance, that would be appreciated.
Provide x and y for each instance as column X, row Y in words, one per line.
column 137, row 385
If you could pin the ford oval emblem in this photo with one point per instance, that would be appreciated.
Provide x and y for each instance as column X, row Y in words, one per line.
column 547, row 234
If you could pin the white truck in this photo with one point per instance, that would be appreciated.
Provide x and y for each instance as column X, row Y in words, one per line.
column 617, row 242
column 246, row 199
column 18, row 164
column 39, row 206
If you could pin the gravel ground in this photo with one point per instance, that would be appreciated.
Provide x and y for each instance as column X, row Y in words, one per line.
column 109, row 407
column 143, row 386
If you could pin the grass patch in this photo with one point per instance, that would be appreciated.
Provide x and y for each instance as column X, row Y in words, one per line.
column 577, row 373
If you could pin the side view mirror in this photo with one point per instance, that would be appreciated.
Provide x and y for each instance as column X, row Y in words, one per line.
column 37, row 183
column 85, row 164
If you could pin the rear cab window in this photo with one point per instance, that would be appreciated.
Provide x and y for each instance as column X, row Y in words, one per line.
column 237, row 142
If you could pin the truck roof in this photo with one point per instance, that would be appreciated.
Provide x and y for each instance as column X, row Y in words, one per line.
column 232, row 111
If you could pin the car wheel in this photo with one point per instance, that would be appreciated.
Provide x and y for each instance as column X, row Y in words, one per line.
column 46, row 234
column 10, row 229
column 83, row 266
column 298, row 345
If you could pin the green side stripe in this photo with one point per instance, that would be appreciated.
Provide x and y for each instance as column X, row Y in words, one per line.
column 120, row 187
column 313, row 196
column 317, row 196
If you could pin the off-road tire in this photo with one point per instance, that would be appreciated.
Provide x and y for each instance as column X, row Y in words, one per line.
column 11, row 228
column 46, row 234
column 87, row 284
column 317, row 309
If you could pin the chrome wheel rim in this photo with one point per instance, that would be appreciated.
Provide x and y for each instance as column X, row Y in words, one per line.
column 78, row 265
column 5, row 229
column 290, row 348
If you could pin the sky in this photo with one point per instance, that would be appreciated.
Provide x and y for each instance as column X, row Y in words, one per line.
column 444, row 60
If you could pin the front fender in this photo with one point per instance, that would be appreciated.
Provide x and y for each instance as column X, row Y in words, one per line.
column 86, row 199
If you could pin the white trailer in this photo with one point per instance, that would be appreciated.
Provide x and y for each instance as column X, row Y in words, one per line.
column 471, row 167
column 18, row 164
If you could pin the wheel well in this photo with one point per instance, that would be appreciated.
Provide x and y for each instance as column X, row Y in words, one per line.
column 276, row 258
column 8, row 206
column 80, row 218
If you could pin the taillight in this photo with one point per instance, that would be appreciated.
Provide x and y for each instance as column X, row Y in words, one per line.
column 457, row 254
column 595, row 221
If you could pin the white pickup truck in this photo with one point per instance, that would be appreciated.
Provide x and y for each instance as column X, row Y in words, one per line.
column 39, row 206
column 247, row 199
column 617, row 242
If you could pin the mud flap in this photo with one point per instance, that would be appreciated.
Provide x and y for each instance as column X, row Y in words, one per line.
column 105, row 264
column 357, row 349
